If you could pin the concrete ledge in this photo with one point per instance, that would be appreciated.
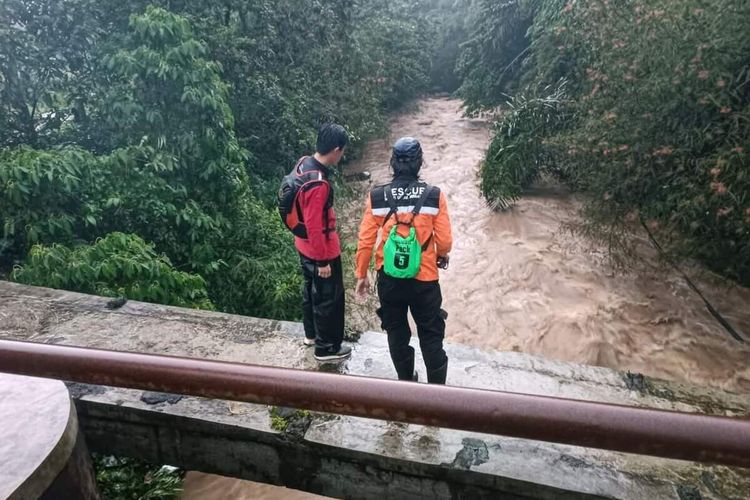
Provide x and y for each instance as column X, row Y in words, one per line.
column 347, row 456
column 280, row 459
column 42, row 452
column 38, row 431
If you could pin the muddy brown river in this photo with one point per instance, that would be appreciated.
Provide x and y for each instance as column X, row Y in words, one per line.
column 521, row 281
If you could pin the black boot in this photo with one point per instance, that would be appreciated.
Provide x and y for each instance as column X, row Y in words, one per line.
column 405, row 366
column 438, row 375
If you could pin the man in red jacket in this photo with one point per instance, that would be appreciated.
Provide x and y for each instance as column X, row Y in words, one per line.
column 320, row 251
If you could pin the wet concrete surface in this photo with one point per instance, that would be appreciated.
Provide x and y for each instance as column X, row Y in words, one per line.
column 43, row 315
column 38, row 431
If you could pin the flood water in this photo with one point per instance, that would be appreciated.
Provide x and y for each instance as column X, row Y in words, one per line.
column 521, row 281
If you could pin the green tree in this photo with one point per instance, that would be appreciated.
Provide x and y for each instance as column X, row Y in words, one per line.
column 45, row 45
column 492, row 58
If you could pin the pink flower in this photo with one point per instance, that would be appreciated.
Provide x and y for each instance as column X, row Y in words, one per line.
column 610, row 116
column 719, row 188
column 698, row 12
column 703, row 74
column 738, row 150
column 723, row 211
column 607, row 196
column 653, row 225
column 696, row 59
column 703, row 101
column 664, row 151
column 618, row 44
column 568, row 7
column 747, row 212
column 725, row 110
column 721, row 83
column 715, row 171
column 624, row 147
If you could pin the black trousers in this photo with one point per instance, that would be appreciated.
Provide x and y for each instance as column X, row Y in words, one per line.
column 423, row 298
column 323, row 304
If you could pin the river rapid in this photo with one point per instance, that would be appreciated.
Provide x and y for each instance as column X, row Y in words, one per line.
column 520, row 280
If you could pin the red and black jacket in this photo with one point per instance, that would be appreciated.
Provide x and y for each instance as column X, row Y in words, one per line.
column 315, row 206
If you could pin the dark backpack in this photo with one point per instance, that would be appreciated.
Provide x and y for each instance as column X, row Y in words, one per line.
column 287, row 199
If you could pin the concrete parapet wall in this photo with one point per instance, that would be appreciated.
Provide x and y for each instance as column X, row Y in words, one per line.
column 284, row 459
column 347, row 456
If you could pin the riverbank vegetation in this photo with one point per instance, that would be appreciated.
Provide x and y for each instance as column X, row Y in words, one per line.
column 643, row 107
column 141, row 143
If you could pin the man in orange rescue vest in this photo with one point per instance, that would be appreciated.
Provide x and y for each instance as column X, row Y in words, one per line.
column 408, row 203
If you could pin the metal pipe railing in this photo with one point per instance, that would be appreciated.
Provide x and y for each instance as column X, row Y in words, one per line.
column 643, row 431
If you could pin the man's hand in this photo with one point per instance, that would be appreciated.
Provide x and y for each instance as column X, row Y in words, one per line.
column 325, row 271
column 442, row 261
column 362, row 289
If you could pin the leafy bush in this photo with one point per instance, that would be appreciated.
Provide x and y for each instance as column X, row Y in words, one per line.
column 121, row 478
column 518, row 153
column 119, row 265
column 40, row 198
column 663, row 114
column 656, row 124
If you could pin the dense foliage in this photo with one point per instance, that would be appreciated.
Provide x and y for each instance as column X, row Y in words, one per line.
column 117, row 266
column 130, row 479
column 170, row 124
column 652, row 124
column 491, row 57
column 141, row 141
column 518, row 154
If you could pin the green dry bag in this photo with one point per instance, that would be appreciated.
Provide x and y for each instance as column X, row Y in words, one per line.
column 402, row 257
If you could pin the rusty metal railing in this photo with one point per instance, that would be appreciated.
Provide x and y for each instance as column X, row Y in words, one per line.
column 643, row 431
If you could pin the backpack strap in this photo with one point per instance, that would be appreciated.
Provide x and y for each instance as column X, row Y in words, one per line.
column 392, row 202
column 418, row 207
column 422, row 199
column 310, row 177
